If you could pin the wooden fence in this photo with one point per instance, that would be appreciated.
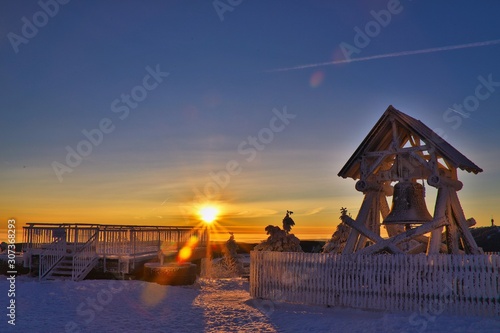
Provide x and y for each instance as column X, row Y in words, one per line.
column 456, row 284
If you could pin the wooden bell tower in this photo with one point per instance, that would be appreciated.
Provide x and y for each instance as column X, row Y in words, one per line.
column 402, row 149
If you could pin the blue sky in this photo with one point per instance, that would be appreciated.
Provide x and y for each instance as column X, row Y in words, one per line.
column 221, row 89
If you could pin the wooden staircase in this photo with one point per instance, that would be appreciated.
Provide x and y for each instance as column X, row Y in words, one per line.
column 60, row 261
column 62, row 271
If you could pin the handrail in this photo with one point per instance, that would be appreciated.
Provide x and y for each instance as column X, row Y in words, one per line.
column 32, row 224
column 84, row 257
column 51, row 256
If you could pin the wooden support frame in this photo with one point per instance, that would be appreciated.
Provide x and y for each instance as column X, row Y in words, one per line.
column 448, row 215
column 400, row 148
column 407, row 235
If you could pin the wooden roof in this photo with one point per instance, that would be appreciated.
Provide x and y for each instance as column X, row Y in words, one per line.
column 380, row 138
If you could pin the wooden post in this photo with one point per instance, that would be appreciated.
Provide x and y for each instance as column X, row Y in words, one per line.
column 451, row 231
column 439, row 212
column 470, row 245
column 352, row 239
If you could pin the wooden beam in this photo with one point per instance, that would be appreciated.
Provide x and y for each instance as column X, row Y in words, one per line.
column 439, row 212
column 443, row 181
column 362, row 229
column 350, row 244
column 421, row 160
column 361, row 242
column 396, row 150
column 352, row 239
column 470, row 245
column 451, row 231
column 407, row 235
column 395, row 136
column 375, row 214
column 422, row 248
column 377, row 163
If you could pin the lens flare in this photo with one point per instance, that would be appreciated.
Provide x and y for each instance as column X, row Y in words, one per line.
column 187, row 250
column 316, row 79
column 185, row 253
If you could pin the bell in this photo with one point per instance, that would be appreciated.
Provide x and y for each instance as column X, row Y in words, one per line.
column 408, row 205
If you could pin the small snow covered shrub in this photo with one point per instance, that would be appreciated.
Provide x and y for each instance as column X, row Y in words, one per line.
column 230, row 259
column 280, row 240
column 337, row 243
column 229, row 265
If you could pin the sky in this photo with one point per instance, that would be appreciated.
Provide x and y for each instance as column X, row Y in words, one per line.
column 131, row 112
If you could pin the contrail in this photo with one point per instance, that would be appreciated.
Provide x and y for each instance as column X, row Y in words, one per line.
column 390, row 55
column 463, row 114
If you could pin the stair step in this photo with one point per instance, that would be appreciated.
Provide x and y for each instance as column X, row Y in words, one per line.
column 62, row 270
column 58, row 278
column 65, row 265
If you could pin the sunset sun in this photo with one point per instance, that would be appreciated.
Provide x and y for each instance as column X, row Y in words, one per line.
column 208, row 214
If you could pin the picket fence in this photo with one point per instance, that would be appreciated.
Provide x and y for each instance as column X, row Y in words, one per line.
column 435, row 284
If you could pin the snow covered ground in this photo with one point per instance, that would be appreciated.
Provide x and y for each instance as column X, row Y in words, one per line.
column 208, row 306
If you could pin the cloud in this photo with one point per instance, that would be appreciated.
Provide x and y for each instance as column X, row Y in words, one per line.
column 314, row 211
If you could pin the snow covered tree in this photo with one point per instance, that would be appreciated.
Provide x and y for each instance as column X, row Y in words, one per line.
column 230, row 260
column 280, row 240
column 337, row 243
column 229, row 266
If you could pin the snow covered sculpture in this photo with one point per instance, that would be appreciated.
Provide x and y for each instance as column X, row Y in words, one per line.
column 402, row 149
column 288, row 222
column 339, row 238
column 280, row 240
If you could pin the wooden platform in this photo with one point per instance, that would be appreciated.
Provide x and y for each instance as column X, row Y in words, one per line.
column 72, row 250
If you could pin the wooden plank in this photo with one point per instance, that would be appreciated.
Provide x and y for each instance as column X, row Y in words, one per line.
column 469, row 242
column 361, row 218
column 407, row 235
column 362, row 229
column 451, row 232
column 439, row 212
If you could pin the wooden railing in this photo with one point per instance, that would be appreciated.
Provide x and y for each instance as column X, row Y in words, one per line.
column 137, row 240
column 112, row 240
column 85, row 258
column 51, row 256
column 458, row 284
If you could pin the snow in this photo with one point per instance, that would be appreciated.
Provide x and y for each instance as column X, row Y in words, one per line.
column 222, row 305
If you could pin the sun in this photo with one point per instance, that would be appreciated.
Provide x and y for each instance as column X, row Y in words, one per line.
column 208, row 214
